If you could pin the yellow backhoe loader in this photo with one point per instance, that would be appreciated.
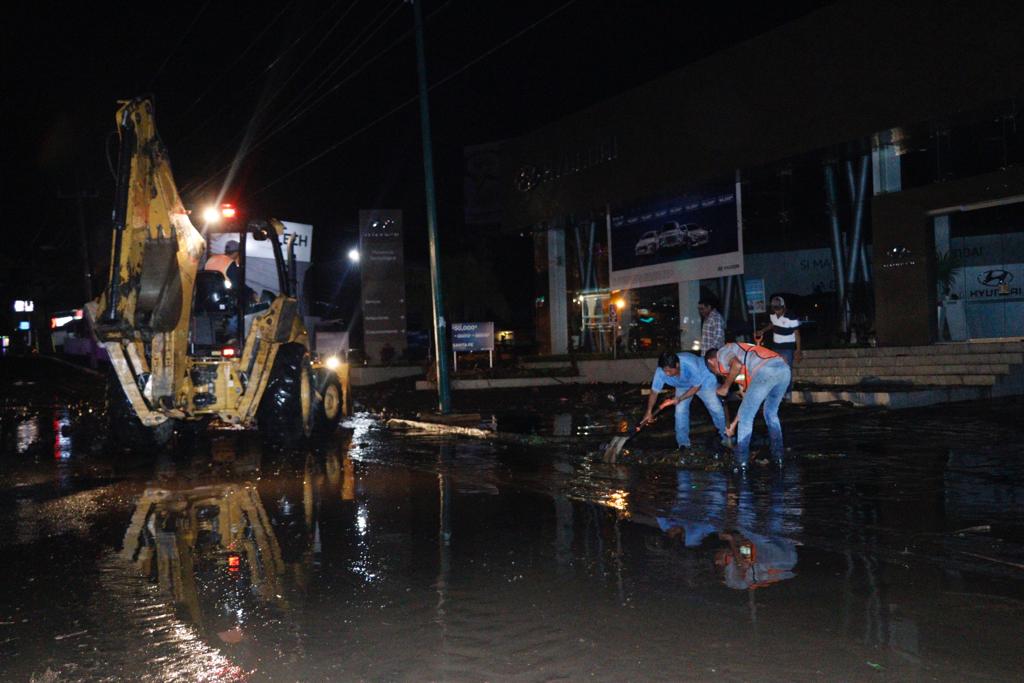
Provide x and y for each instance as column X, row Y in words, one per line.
column 188, row 344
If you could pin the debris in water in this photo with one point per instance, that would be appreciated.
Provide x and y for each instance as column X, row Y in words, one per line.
column 71, row 635
column 614, row 448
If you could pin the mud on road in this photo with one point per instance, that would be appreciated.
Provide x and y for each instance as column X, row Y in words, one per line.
column 889, row 546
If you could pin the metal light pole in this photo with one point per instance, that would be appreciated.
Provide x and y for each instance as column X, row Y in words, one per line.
column 440, row 328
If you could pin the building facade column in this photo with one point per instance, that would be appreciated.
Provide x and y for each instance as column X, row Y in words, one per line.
column 689, row 316
column 558, row 299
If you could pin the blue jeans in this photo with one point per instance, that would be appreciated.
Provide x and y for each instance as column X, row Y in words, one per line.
column 711, row 401
column 787, row 355
column 768, row 387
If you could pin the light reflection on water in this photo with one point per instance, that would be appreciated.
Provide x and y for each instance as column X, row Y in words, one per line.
column 459, row 549
column 28, row 434
column 62, row 445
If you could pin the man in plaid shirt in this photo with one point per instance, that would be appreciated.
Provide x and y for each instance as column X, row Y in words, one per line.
column 712, row 331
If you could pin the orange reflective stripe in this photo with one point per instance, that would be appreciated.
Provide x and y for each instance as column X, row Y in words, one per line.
column 760, row 351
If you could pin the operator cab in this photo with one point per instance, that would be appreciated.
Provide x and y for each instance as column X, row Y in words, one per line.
column 220, row 309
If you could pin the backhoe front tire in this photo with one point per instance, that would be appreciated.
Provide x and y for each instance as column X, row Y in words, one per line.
column 284, row 415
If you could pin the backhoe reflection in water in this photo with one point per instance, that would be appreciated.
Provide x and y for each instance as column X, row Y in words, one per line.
column 233, row 552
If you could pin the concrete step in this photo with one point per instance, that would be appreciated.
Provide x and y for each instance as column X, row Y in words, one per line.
column 910, row 380
column 808, row 373
column 949, row 349
column 916, row 360
column 909, row 398
column 547, row 364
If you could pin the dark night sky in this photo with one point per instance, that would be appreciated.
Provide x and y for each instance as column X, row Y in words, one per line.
column 217, row 70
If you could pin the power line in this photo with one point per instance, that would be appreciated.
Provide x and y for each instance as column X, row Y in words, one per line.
column 414, row 98
column 300, row 109
column 491, row 51
column 316, row 47
column 233, row 64
column 259, row 143
column 181, row 39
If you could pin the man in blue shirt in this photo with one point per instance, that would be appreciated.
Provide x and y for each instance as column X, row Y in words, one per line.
column 689, row 376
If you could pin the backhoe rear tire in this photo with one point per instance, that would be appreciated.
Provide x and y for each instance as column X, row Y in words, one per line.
column 284, row 415
column 124, row 426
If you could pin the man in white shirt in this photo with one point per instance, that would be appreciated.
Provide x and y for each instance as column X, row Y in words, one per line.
column 785, row 334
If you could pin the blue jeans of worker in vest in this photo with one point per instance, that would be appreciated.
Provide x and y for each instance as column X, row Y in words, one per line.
column 711, row 401
column 788, row 355
column 768, row 387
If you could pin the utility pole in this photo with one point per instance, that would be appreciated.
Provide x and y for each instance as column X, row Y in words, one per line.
column 83, row 249
column 83, row 244
column 440, row 327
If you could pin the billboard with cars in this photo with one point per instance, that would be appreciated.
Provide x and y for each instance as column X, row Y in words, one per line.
column 688, row 237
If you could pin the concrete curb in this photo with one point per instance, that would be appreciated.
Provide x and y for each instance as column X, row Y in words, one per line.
column 507, row 383
column 435, row 429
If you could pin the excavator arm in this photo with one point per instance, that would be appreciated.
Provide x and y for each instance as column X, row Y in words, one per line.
column 145, row 315
column 142, row 318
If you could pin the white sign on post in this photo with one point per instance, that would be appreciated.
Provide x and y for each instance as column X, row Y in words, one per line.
column 469, row 337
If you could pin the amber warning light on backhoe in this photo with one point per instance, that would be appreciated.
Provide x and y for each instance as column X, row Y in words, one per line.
column 213, row 214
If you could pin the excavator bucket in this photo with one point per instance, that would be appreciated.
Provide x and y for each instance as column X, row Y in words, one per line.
column 158, row 306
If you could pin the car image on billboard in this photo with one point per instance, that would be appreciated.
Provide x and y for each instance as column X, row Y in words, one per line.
column 647, row 245
column 696, row 225
column 671, row 236
column 686, row 236
column 696, row 236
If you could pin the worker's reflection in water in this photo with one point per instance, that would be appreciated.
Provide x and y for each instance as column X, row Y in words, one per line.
column 755, row 530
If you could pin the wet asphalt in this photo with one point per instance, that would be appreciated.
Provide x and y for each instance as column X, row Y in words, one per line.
column 890, row 546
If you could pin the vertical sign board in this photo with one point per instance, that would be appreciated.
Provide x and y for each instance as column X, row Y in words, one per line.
column 382, row 271
column 753, row 288
column 688, row 237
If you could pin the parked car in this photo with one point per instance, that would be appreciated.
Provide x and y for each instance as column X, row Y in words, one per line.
column 648, row 244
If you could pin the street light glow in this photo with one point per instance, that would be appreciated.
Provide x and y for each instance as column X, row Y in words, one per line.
column 353, row 255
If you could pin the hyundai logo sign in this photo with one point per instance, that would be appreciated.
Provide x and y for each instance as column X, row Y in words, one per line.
column 995, row 277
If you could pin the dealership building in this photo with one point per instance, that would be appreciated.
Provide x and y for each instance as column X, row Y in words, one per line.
column 865, row 161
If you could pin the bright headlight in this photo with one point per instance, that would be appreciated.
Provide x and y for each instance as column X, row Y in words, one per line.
column 333, row 362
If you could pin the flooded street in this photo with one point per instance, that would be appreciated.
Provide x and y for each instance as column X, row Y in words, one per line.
column 889, row 546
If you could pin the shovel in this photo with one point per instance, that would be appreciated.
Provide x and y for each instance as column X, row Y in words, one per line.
column 615, row 446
